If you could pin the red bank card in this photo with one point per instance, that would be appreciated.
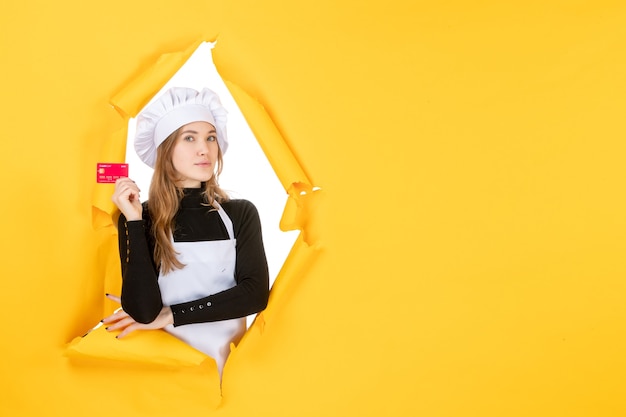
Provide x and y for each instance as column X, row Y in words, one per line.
column 108, row 173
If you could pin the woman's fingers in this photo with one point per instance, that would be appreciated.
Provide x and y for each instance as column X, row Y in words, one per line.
column 125, row 181
column 126, row 325
column 125, row 192
column 128, row 329
column 120, row 320
column 121, row 324
column 115, row 298
column 126, row 198
column 118, row 315
column 124, row 186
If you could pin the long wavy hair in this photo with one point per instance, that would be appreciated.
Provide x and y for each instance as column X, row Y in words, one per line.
column 164, row 201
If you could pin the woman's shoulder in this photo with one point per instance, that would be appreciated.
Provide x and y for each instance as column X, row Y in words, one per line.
column 239, row 204
column 240, row 209
column 244, row 215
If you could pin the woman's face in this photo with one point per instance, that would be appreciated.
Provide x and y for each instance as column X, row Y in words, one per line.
column 195, row 154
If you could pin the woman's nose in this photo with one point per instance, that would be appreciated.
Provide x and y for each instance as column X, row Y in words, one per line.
column 203, row 148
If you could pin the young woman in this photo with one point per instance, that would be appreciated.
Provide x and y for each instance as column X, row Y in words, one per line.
column 193, row 261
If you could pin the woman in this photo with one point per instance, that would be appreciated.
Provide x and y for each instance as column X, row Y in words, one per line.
column 193, row 261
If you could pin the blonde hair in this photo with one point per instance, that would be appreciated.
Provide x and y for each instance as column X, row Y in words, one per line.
column 164, row 201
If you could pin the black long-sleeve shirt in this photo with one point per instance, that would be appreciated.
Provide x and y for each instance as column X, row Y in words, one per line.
column 195, row 222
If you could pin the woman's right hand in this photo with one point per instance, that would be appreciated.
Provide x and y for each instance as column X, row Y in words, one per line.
column 126, row 198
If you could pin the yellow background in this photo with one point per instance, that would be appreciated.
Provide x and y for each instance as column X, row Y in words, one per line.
column 468, row 237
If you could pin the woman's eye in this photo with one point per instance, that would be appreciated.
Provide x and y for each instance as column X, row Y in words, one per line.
column 189, row 138
column 212, row 138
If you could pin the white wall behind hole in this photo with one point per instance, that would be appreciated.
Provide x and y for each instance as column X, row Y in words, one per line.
column 246, row 174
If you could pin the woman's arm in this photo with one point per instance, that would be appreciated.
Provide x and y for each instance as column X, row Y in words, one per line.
column 251, row 293
column 141, row 296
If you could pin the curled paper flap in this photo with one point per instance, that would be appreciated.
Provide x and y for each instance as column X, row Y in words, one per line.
column 289, row 171
column 132, row 98
column 300, row 258
column 276, row 150
column 143, row 347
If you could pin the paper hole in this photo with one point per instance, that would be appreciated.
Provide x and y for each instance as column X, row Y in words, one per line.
column 247, row 173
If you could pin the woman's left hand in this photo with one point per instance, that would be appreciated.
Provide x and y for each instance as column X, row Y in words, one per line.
column 120, row 320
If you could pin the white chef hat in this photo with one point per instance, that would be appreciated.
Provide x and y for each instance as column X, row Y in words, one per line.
column 173, row 109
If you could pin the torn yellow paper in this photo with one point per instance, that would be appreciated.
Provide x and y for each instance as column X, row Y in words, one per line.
column 278, row 153
column 128, row 102
column 287, row 168
column 144, row 347
column 471, row 160
column 136, row 94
